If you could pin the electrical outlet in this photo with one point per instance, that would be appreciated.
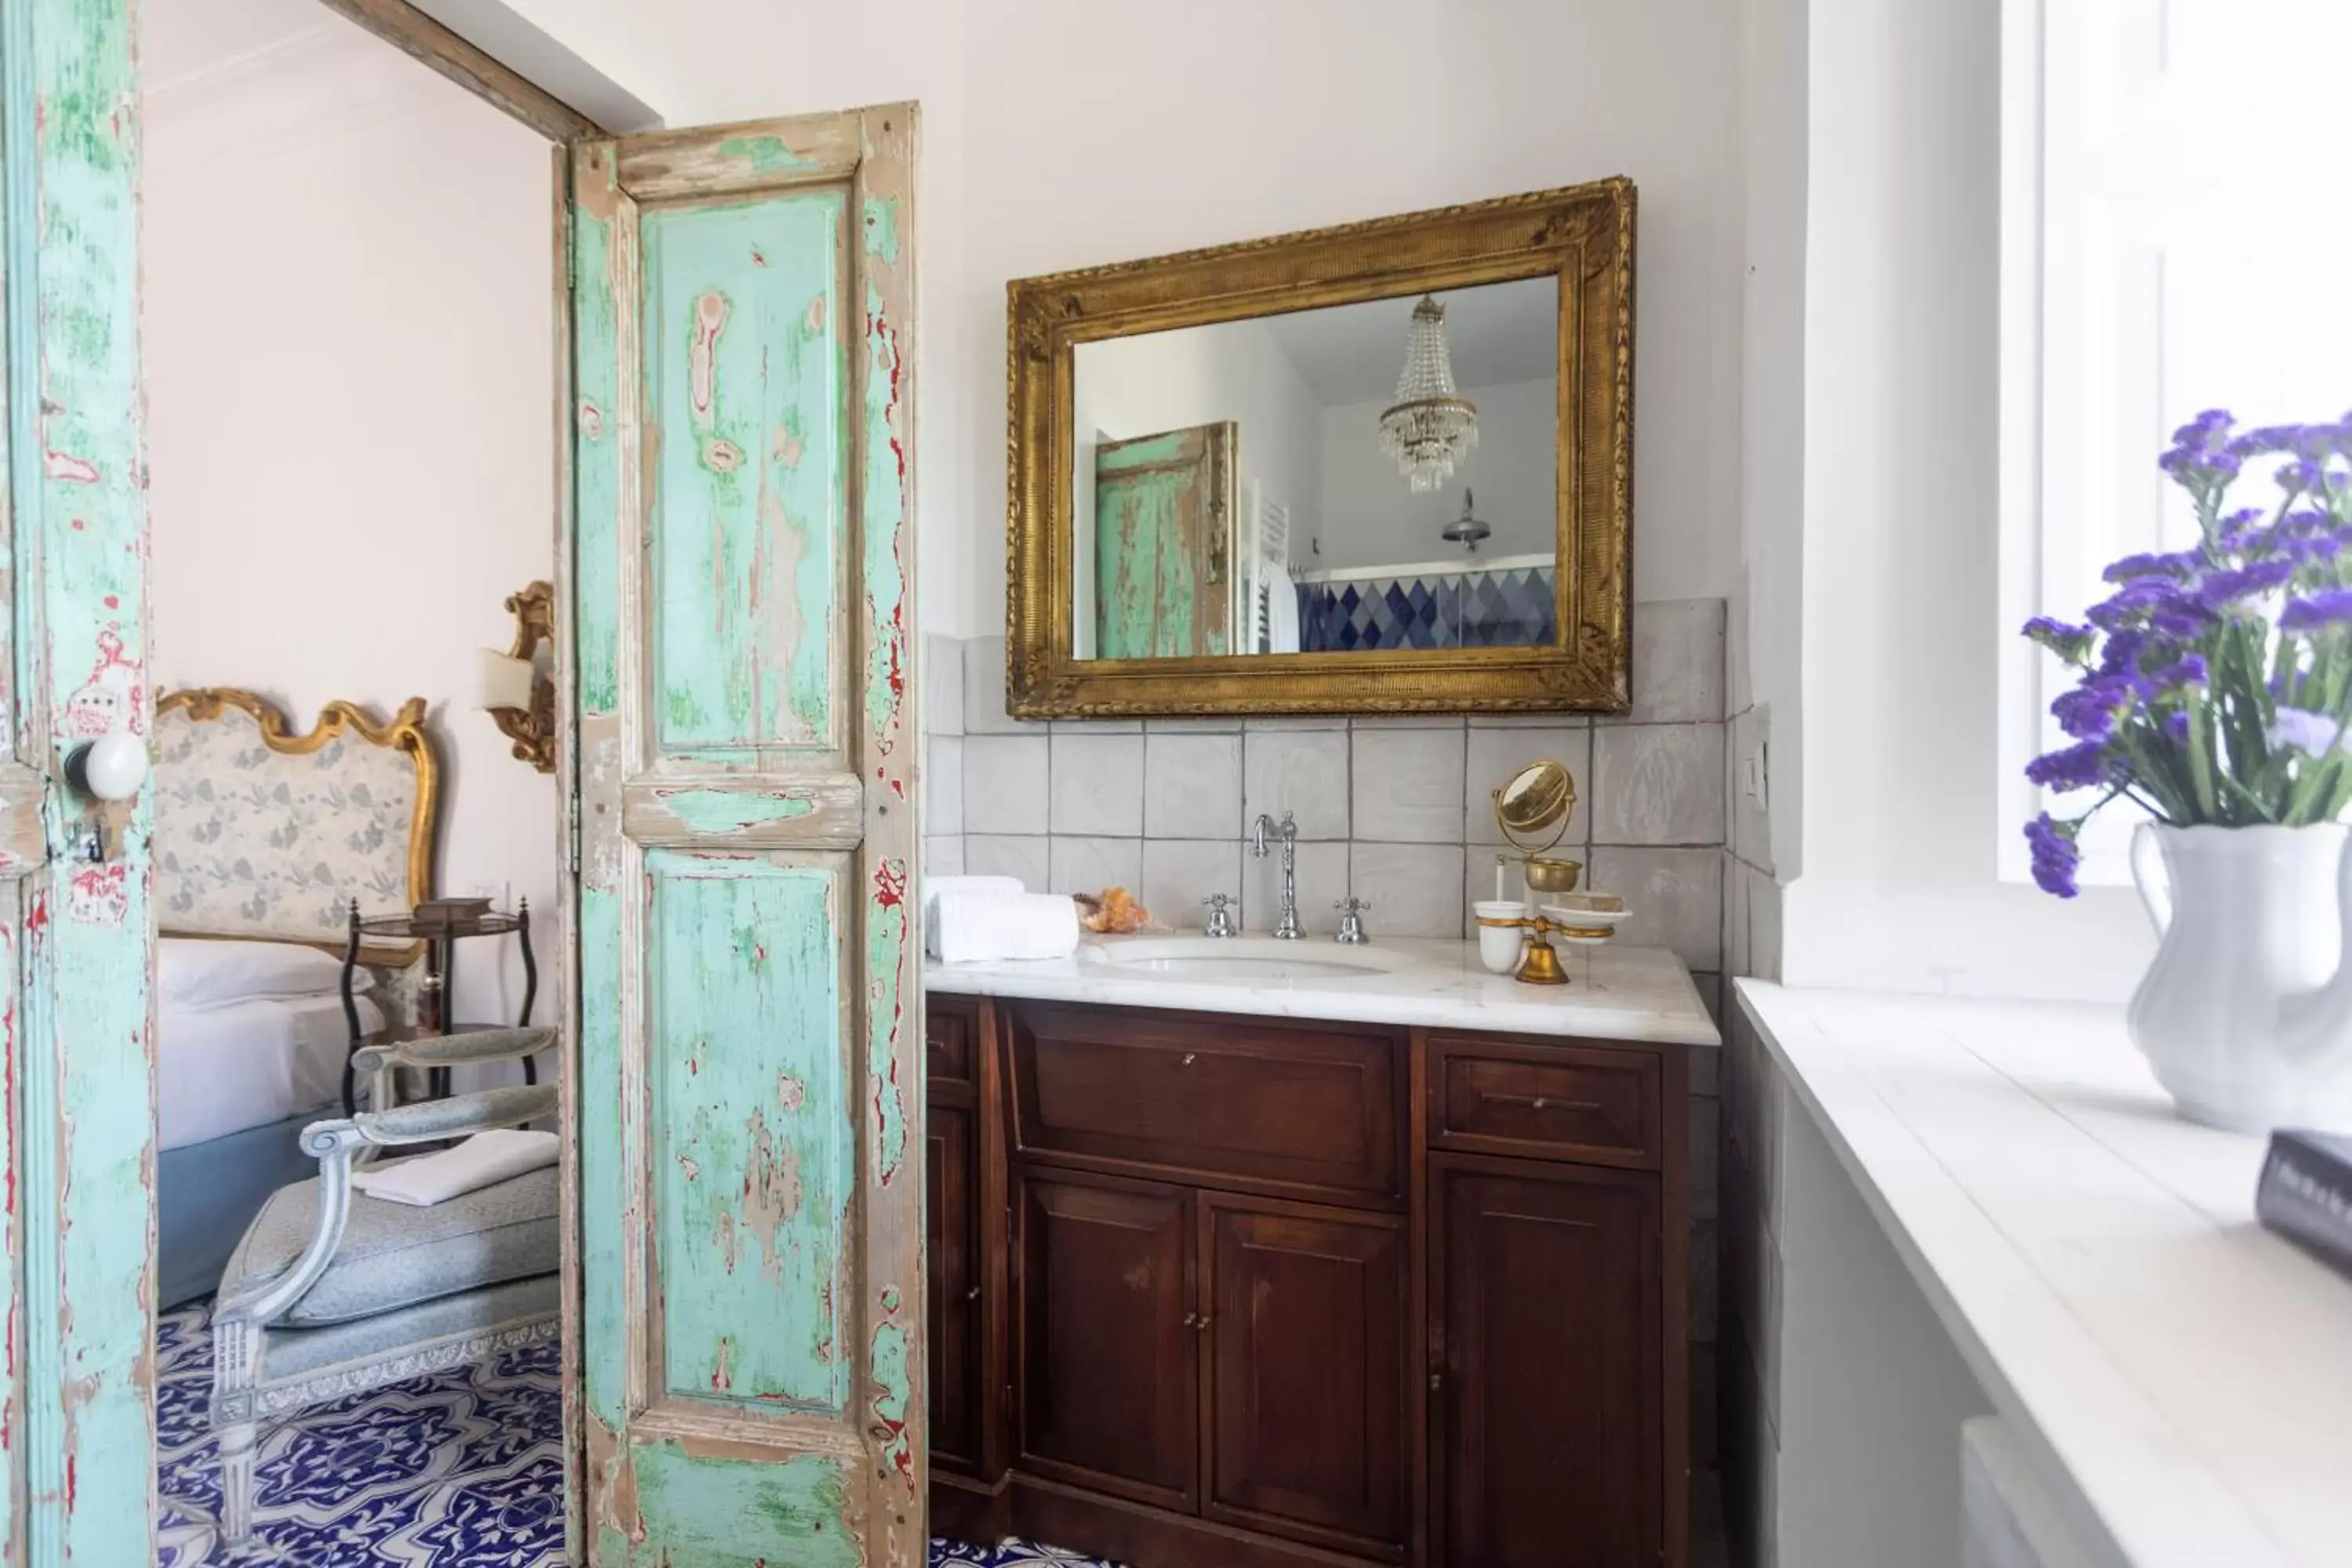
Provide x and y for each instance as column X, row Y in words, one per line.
column 1753, row 773
column 500, row 894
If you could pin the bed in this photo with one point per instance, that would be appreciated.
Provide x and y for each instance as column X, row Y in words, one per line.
column 263, row 836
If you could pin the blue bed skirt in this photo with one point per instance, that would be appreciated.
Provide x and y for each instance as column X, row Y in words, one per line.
column 206, row 1193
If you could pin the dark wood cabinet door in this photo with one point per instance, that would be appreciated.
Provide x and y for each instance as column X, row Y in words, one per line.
column 1545, row 1448
column 1305, row 1384
column 1108, row 1375
column 954, row 1314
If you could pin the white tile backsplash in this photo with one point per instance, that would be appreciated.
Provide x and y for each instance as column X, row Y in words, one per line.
column 1412, row 889
column 1004, row 784
column 1193, row 785
column 942, row 785
column 1657, row 783
column 1678, row 674
column 942, row 684
column 943, row 857
column 1407, row 785
column 1097, row 785
column 1090, row 864
column 1179, row 873
column 983, row 691
column 1395, row 808
column 1497, row 754
column 1303, row 771
column 1023, row 857
column 1676, row 896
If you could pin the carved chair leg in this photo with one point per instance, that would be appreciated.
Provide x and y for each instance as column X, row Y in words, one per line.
column 237, row 1455
column 237, row 1348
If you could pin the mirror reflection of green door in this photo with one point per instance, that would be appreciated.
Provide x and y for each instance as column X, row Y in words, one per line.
column 1163, row 520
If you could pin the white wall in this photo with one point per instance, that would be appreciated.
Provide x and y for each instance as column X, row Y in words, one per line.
column 349, row 328
column 1903, row 638
column 1059, row 134
column 1372, row 517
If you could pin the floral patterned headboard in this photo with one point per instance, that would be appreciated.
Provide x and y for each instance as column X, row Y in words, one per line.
column 263, row 833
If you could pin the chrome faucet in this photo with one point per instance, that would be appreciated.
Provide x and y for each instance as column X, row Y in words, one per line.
column 1286, row 926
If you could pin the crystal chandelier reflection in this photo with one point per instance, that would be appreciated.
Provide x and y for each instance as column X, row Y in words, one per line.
column 1432, row 428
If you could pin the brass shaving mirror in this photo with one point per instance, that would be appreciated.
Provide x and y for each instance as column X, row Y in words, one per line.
column 1386, row 468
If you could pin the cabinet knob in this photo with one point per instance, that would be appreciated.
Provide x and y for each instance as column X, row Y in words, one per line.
column 1190, row 1057
column 972, row 1294
column 1201, row 1321
column 1192, row 1320
column 1542, row 1102
column 1436, row 1381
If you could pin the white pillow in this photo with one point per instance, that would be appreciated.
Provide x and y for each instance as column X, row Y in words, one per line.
column 211, row 974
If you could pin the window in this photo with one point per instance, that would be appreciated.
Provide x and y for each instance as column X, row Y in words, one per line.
column 2174, row 238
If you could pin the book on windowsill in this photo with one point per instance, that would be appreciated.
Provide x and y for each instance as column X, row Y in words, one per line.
column 2306, row 1192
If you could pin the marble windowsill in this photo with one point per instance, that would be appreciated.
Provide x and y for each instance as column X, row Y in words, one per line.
column 2181, row 1378
column 1614, row 993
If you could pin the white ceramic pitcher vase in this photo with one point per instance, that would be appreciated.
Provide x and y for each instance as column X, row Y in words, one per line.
column 2246, row 1014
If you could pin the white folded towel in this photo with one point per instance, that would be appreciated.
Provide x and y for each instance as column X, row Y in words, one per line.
column 933, row 887
column 480, row 1161
column 979, row 924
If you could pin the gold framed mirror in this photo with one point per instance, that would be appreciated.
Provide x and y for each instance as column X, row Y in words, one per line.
column 1382, row 467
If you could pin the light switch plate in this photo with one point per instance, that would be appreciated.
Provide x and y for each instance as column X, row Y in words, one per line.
column 1753, row 775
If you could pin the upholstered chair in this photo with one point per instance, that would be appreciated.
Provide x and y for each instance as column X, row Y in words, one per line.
column 333, row 1292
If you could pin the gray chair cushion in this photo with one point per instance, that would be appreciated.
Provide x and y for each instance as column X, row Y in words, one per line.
column 397, row 1255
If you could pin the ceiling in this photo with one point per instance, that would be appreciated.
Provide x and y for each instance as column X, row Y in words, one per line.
column 1500, row 333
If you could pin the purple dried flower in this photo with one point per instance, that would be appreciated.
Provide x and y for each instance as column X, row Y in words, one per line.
column 2082, row 766
column 2188, row 669
column 2317, row 612
column 2055, row 857
column 2230, row 586
column 2070, row 643
column 2089, row 712
column 2304, row 730
column 2171, row 563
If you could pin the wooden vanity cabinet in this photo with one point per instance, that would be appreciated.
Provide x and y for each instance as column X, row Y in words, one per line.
column 1261, row 1294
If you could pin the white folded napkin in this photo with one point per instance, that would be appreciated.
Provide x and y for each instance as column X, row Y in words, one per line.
column 976, row 924
column 934, row 887
column 480, row 1161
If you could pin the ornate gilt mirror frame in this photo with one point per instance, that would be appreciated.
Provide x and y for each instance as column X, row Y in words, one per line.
column 1583, row 235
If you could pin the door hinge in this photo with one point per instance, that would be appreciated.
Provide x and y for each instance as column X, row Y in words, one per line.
column 572, row 829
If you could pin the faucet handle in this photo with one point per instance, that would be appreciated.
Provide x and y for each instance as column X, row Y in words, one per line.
column 1220, row 914
column 1351, row 921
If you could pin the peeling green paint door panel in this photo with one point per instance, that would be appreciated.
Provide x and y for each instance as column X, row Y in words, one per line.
column 76, row 1143
column 753, row 1160
column 751, row 1283
column 745, row 377
column 1163, row 524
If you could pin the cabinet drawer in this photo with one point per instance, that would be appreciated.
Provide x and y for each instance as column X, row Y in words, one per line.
column 947, row 1040
column 1555, row 1102
column 1294, row 1109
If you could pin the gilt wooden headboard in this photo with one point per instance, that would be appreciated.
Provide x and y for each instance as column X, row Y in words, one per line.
column 266, row 835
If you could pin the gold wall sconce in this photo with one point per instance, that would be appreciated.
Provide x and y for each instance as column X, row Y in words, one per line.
column 517, row 687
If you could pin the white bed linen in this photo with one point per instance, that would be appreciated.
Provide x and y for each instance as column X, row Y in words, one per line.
column 223, row 1069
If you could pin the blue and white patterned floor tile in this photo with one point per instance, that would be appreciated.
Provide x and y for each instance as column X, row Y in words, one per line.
column 460, row 1471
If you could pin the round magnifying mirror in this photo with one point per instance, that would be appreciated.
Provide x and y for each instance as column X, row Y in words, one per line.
column 1535, row 800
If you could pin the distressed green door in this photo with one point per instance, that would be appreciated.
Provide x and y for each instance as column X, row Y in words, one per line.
column 76, row 1143
column 750, row 1322
column 1163, row 544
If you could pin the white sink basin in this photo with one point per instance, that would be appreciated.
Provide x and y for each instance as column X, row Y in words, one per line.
column 1240, row 958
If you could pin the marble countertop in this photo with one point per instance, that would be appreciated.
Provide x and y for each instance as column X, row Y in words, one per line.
column 1613, row 992
column 2183, row 1373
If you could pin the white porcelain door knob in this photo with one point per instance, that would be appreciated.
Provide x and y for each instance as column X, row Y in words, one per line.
column 109, row 768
